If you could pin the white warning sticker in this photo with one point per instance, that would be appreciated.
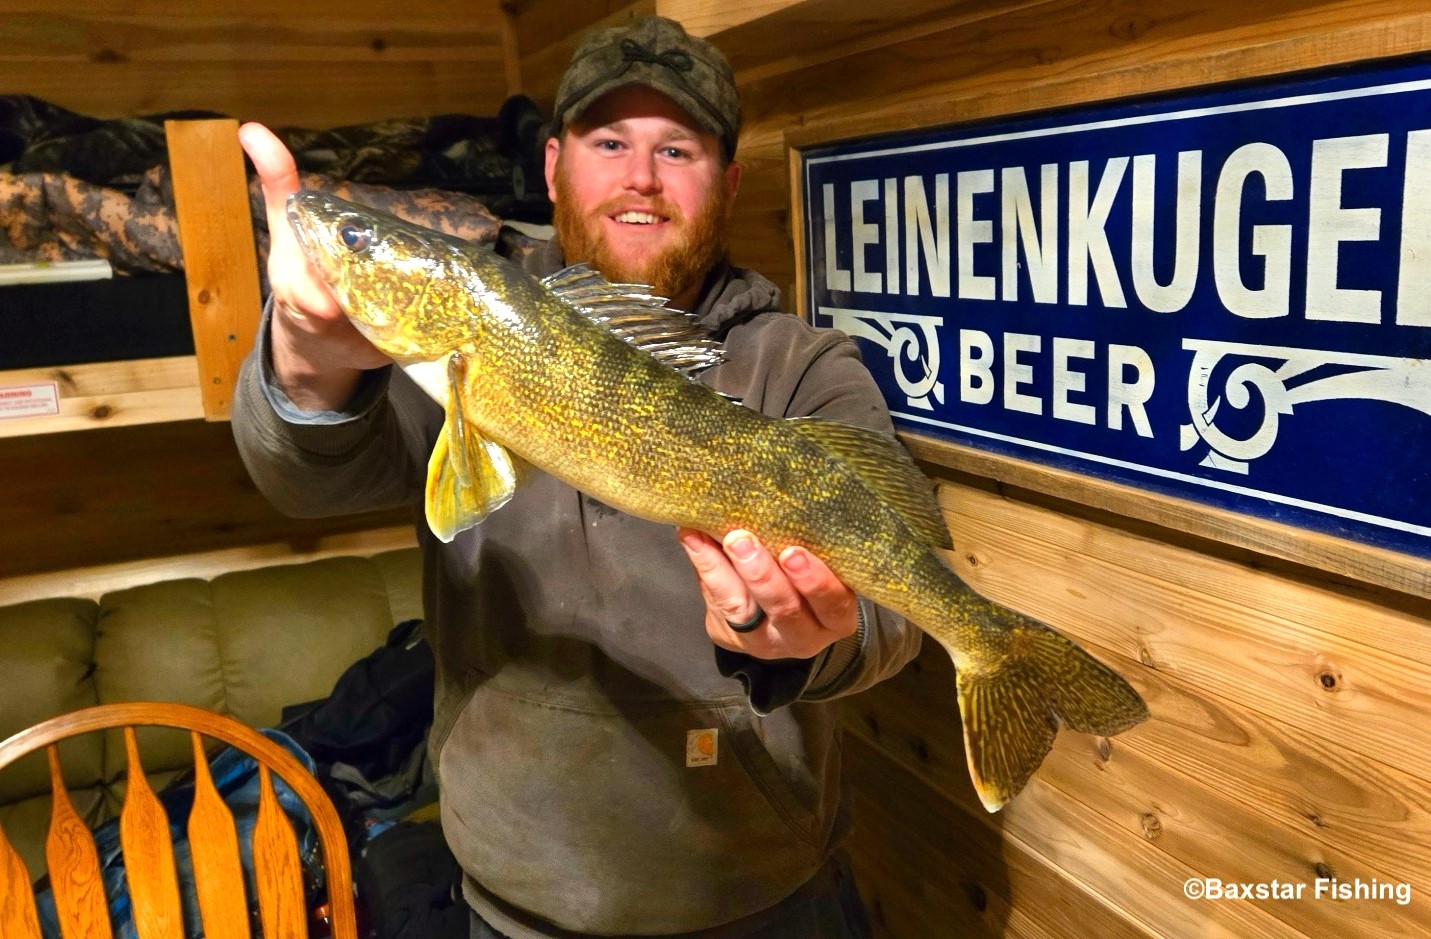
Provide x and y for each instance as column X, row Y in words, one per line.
column 39, row 400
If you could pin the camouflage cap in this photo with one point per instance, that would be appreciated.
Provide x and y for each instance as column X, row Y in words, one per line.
column 656, row 52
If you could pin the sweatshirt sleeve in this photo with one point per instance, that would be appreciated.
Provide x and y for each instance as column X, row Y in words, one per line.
column 836, row 386
column 314, row 464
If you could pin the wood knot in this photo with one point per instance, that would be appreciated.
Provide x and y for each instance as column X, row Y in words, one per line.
column 1146, row 657
column 108, row 56
column 379, row 44
column 1323, row 870
column 972, row 560
column 100, row 412
column 204, row 295
column 1152, row 826
column 1329, row 680
column 1130, row 27
column 1316, row 820
column 977, row 896
column 1105, row 749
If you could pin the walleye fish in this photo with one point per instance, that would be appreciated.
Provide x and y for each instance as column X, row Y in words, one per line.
column 593, row 383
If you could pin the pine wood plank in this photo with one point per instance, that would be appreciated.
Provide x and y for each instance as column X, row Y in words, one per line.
column 119, row 495
column 73, row 861
column 316, row 13
column 1065, row 52
column 198, row 35
column 220, row 260
column 94, row 582
column 110, row 394
column 546, row 51
column 1220, row 638
column 313, row 94
column 1348, row 559
column 148, row 854
column 1190, row 806
column 18, row 918
column 1133, row 877
column 930, row 868
column 213, row 844
column 277, row 873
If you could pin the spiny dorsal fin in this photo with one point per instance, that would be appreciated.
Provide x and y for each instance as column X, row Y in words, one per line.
column 634, row 313
column 884, row 466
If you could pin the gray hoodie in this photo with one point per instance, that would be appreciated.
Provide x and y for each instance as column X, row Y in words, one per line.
column 602, row 770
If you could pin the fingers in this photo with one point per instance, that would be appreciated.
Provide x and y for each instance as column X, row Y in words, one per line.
column 833, row 604
column 806, row 606
column 292, row 279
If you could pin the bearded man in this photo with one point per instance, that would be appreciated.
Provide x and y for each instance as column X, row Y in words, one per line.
column 633, row 731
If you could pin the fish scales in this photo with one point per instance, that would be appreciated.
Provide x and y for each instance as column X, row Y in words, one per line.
column 528, row 377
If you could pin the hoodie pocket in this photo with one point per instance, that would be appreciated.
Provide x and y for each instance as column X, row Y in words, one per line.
column 621, row 819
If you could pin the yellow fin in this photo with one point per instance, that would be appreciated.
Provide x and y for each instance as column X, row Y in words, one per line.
column 885, row 467
column 468, row 476
column 1012, row 712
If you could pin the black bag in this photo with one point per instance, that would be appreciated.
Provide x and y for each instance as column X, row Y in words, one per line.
column 409, row 885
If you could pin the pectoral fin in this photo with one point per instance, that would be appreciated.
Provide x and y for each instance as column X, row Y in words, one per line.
column 468, row 476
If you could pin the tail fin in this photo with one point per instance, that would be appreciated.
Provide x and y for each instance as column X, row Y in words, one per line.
column 1012, row 712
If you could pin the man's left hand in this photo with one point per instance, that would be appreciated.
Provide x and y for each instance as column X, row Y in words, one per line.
column 806, row 606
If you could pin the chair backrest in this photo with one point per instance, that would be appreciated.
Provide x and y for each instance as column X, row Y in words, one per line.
column 73, row 859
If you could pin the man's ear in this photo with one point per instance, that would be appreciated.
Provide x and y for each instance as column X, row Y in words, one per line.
column 553, row 153
column 732, row 181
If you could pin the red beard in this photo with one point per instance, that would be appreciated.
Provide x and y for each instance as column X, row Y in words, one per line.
column 679, row 266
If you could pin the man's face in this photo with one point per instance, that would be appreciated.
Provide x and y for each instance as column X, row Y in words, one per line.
column 639, row 192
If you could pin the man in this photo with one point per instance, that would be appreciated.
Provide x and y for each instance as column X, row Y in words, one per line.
column 602, row 773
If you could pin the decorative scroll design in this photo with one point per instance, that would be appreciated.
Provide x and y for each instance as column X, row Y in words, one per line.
column 910, row 340
column 1274, row 376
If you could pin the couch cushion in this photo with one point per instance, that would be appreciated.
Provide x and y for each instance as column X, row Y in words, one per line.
column 288, row 632
column 46, row 670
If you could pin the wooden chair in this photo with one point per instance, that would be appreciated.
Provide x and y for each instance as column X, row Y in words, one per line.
column 148, row 853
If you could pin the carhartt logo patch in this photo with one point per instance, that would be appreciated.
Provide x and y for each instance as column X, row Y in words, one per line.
column 701, row 747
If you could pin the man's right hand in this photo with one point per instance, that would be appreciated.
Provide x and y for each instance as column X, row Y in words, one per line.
column 318, row 355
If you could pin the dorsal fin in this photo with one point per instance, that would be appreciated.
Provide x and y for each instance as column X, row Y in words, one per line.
column 886, row 468
column 634, row 313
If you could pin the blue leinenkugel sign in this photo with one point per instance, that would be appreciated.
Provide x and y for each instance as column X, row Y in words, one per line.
column 1225, row 296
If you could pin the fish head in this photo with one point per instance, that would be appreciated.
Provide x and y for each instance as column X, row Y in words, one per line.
column 399, row 283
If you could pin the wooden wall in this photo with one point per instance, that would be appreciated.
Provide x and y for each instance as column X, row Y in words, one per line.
column 1287, row 738
column 320, row 64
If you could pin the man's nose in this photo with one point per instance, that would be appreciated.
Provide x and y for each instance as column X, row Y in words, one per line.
column 642, row 174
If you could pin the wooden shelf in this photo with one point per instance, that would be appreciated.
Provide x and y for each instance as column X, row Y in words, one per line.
column 109, row 394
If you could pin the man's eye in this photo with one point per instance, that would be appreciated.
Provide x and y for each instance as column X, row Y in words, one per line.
column 676, row 153
column 609, row 145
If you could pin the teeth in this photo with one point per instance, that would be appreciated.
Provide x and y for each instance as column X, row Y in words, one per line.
column 637, row 218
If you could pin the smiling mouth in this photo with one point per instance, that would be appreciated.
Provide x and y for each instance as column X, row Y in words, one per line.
column 637, row 218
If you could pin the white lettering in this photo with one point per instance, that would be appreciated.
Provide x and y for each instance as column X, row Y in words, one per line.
column 972, row 231
column 931, row 234
column 1016, row 373
column 1273, row 243
column 1177, row 292
column 891, row 235
column 835, row 278
column 1134, row 394
column 1066, row 380
column 1040, row 242
column 864, row 233
column 976, row 363
column 1329, row 224
column 1087, row 235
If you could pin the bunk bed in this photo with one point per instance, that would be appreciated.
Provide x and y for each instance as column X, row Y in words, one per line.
column 166, row 343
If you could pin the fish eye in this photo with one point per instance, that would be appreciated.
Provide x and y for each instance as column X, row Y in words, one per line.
column 355, row 237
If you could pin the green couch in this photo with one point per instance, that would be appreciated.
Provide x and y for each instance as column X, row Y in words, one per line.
column 245, row 643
